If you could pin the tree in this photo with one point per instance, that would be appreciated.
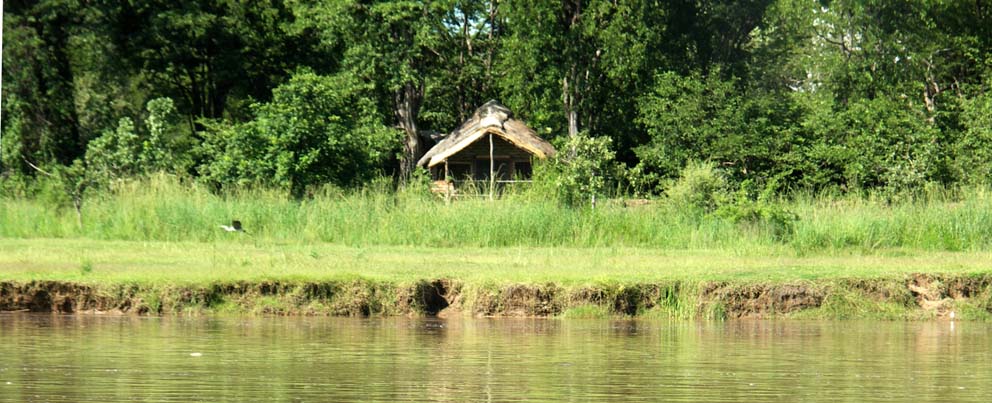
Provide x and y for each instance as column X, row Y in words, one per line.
column 393, row 44
column 133, row 150
column 974, row 150
column 316, row 130
column 115, row 155
column 873, row 144
column 562, row 61
column 167, row 148
column 579, row 171
column 466, row 55
column 38, row 92
column 695, row 118
column 212, row 56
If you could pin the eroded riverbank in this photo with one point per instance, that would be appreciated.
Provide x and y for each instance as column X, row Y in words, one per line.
column 916, row 296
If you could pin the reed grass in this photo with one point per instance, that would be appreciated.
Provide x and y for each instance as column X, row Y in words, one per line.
column 163, row 209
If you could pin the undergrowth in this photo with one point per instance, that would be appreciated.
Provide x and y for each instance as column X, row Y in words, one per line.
column 164, row 209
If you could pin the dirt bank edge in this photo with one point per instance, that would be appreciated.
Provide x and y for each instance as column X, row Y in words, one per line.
column 913, row 297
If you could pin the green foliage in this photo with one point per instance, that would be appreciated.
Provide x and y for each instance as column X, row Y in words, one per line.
column 687, row 117
column 746, row 207
column 86, row 267
column 418, row 185
column 875, row 143
column 11, row 146
column 163, row 208
column 395, row 46
column 600, row 49
column 114, row 156
column 38, row 90
column 130, row 151
column 974, row 150
column 848, row 95
column 166, row 148
column 700, row 187
column 213, row 57
column 579, row 171
column 68, row 186
column 317, row 130
column 696, row 118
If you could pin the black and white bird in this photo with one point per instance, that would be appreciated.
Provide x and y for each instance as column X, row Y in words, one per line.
column 234, row 227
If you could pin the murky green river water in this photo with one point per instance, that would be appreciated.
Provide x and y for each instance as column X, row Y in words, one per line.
column 109, row 359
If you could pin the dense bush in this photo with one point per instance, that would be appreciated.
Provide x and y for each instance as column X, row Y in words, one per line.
column 579, row 171
column 749, row 207
column 130, row 151
column 700, row 186
column 317, row 130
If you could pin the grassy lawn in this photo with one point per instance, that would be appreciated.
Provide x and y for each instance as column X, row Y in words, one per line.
column 243, row 258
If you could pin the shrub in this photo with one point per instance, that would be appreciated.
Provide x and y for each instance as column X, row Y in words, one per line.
column 114, row 155
column 700, row 186
column 744, row 207
column 317, row 130
column 579, row 170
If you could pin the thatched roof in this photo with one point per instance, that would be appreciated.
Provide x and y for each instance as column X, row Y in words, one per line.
column 492, row 117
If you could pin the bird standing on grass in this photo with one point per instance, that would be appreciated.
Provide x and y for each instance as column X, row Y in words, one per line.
column 234, row 227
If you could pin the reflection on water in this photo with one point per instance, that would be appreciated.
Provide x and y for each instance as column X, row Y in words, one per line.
column 87, row 358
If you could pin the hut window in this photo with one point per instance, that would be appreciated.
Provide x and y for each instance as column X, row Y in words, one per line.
column 502, row 168
column 459, row 170
column 522, row 170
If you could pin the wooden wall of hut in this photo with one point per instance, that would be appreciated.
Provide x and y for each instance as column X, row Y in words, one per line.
column 473, row 161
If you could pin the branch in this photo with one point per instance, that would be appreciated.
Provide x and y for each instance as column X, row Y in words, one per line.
column 840, row 43
column 36, row 168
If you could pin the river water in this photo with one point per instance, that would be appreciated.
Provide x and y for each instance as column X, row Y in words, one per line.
column 116, row 359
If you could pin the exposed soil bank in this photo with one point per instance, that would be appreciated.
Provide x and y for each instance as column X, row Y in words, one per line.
column 917, row 296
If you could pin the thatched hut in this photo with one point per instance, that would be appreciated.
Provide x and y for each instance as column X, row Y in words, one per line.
column 490, row 146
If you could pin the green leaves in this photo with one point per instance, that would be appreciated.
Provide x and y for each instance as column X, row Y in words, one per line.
column 114, row 155
column 580, row 169
column 708, row 118
column 129, row 150
column 876, row 143
column 317, row 130
column 842, row 93
column 973, row 157
column 167, row 148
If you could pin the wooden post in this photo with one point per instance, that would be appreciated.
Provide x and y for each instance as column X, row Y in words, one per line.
column 447, row 185
column 594, row 193
column 492, row 166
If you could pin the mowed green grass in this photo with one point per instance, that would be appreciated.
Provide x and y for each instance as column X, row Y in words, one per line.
column 241, row 258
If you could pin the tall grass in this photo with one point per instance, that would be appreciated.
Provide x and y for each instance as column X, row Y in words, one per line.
column 164, row 209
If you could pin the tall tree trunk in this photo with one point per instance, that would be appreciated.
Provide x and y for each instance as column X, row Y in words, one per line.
column 464, row 104
column 568, row 89
column 573, row 123
column 408, row 99
column 572, row 85
column 490, row 47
